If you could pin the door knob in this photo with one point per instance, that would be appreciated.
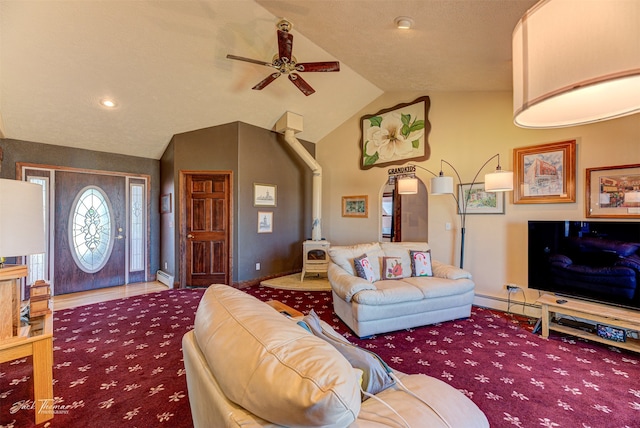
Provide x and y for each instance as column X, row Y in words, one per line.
column 190, row 236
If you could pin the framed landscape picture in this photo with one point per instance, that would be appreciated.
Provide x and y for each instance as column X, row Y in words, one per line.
column 479, row 201
column 355, row 206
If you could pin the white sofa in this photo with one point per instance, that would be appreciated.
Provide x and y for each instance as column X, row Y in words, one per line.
column 247, row 365
column 384, row 305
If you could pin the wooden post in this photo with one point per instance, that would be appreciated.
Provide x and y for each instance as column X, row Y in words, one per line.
column 10, row 299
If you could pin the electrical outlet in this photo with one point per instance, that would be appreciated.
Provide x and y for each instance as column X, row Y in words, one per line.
column 511, row 288
column 257, row 266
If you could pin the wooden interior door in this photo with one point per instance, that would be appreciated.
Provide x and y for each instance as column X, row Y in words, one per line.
column 208, row 224
column 396, row 224
column 68, row 276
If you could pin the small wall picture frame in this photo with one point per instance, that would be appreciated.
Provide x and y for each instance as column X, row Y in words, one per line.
column 355, row 206
column 265, row 221
column 165, row 204
column 475, row 200
column 264, row 195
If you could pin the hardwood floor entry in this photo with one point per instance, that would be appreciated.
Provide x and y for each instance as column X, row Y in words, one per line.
column 71, row 300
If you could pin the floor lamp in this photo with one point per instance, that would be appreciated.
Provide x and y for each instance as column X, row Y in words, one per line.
column 21, row 234
column 497, row 181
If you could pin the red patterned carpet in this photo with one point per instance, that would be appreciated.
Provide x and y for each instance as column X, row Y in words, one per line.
column 120, row 364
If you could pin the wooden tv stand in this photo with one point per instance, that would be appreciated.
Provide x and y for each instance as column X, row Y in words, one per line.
column 599, row 313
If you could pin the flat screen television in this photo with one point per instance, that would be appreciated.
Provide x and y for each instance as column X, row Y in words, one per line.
column 594, row 260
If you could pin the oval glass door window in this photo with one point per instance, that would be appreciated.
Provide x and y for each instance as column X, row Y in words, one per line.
column 90, row 229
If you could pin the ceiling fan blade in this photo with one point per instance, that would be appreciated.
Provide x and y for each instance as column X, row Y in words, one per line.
column 318, row 66
column 285, row 45
column 301, row 84
column 254, row 61
column 270, row 78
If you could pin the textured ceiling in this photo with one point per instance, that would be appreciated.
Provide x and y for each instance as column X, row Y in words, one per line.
column 164, row 62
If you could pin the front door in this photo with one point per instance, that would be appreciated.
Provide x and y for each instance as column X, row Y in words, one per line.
column 90, row 221
column 207, row 224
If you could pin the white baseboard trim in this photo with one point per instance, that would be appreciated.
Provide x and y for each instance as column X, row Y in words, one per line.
column 506, row 305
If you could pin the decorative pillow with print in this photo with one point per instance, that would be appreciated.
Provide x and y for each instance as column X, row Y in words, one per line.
column 421, row 263
column 392, row 268
column 363, row 268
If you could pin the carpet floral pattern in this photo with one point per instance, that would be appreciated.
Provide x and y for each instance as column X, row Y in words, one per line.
column 517, row 378
column 116, row 363
column 120, row 364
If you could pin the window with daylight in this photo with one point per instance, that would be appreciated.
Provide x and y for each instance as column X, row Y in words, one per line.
column 37, row 263
column 137, row 229
column 90, row 229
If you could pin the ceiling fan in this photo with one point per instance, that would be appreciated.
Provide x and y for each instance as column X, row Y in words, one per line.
column 285, row 63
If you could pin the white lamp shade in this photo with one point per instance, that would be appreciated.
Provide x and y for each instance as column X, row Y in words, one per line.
column 407, row 186
column 576, row 62
column 441, row 185
column 498, row 181
column 21, row 218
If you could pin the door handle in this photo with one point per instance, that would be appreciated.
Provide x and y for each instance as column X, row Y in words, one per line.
column 119, row 235
column 190, row 236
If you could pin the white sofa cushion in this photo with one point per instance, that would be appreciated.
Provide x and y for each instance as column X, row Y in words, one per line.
column 343, row 256
column 251, row 348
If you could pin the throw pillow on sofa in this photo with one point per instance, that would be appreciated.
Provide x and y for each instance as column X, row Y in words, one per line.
column 421, row 263
column 392, row 268
column 363, row 268
column 375, row 372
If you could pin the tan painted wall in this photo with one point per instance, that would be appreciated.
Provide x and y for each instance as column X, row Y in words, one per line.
column 467, row 129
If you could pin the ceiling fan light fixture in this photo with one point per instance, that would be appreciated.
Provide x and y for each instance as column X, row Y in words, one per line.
column 403, row 23
column 285, row 63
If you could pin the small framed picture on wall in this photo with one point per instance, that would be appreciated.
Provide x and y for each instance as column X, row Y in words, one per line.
column 265, row 222
column 264, row 195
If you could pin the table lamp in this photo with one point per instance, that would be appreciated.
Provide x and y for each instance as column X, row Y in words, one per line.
column 21, row 234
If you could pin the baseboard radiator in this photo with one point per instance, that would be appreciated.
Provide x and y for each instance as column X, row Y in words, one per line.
column 165, row 278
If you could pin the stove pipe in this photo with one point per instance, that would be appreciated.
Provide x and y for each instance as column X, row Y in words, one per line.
column 289, row 124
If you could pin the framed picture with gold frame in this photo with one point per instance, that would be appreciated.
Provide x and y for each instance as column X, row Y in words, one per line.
column 545, row 174
column 355, row 206
column 613, row 191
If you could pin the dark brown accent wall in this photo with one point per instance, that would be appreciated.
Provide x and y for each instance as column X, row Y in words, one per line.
column 46, row 154
column 254, row 155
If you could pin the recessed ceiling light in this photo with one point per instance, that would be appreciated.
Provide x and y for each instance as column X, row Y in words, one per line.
column 403, row 23
column 105, row 102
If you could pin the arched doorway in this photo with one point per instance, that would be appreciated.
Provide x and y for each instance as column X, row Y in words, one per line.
column 403, row 217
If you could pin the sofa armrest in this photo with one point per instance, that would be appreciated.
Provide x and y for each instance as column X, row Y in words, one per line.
column 344, row 284
column 442, row 270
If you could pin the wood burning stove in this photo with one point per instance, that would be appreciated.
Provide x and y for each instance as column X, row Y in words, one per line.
column 315, row 257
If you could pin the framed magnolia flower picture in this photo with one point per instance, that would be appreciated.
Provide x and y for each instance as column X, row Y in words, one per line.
column 395, row 135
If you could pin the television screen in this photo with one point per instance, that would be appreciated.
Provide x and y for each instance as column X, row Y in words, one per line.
column 596, row 260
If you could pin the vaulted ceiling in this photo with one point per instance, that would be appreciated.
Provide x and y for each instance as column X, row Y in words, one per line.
column 164, row 63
